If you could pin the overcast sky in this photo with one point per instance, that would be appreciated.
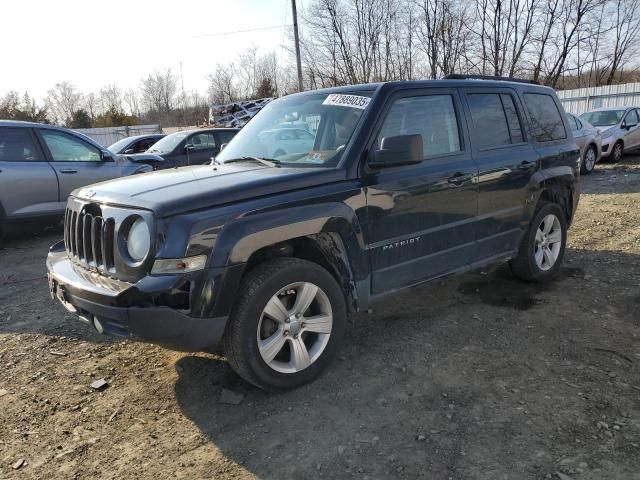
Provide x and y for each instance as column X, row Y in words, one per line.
column 92, row 43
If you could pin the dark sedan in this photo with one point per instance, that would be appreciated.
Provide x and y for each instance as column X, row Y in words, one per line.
column 190, row 147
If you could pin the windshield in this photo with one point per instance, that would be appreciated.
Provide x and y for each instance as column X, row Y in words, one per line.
column 305, row 130
column 168, row 143
column 603, row 118
column 119, row 145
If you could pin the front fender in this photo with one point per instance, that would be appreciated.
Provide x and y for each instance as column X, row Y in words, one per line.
column 334, row 227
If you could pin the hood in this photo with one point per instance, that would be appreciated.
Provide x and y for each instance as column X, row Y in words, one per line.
column 179, row 190
column 605, row 129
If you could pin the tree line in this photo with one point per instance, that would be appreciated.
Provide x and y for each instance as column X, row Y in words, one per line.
column 560, row 43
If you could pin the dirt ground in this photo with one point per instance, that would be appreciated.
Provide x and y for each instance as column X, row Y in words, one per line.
column 477, row 377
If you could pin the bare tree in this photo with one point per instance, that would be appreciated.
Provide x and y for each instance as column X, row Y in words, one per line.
column 159, row 91
column 63, row 101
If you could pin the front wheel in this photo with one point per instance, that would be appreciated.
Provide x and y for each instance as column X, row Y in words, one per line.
column 589, row 160
column 617, row 152
column 287, row 325
column 542, row 248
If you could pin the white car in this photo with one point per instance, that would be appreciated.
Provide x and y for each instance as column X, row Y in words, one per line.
column 619, row 128
column 285, row 141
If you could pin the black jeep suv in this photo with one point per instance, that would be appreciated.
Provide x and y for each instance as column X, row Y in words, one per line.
column 405, row 182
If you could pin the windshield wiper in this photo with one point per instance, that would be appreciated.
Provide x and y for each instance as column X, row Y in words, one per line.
column 269, row 162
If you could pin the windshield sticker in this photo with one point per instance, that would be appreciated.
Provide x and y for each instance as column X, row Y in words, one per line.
column 353, row 101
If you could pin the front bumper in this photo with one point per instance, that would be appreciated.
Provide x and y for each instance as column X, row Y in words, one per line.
column 130, row 310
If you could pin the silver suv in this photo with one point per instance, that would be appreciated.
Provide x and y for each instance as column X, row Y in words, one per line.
column 41, row 164
column 619, row 128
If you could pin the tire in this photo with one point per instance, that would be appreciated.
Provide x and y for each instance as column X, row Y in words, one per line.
column 269, row 291
column 617, row 152
column 589, row 160
column 527, row 265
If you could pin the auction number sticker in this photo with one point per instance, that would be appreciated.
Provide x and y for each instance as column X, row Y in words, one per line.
column 354, row 101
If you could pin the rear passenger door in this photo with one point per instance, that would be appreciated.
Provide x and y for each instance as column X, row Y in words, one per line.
column 28, row 184
column 506, row 162
column 421, row 217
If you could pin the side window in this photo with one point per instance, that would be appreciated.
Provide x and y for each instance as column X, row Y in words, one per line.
column 203, row 141
column 17, row 145
column 573, row 123
column 495, row 116
column 66, row 148
column 431, row 116
column 546, row 121
column 225, row 136
column 631, row 118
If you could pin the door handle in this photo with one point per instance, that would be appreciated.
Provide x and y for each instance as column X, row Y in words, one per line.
column 527, row 165
column 459, row 178
column 68, row 170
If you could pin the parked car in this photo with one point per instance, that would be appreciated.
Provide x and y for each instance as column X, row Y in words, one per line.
column 589, row 140
column 135, row 144
column 268, row 257
column 40, row 165
column 190, row 147
column 619, row 128
column 283, row 141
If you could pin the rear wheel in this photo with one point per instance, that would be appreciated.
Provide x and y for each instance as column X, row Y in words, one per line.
column 618, row 152
column 287, row 325
column 589, row 160
column 542, row 248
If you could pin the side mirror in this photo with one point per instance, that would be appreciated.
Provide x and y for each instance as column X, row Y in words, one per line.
column 398, row 150
column 222, row 146
column 106, row 156
column 189, row 147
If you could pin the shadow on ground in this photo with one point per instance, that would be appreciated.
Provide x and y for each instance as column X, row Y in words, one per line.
column 476, row 377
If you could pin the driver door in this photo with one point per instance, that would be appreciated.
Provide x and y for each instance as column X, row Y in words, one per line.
column 77, row 163
column 632, row 124
column 201, row 147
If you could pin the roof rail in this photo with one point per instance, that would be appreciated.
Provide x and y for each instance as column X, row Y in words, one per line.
column 459, row 76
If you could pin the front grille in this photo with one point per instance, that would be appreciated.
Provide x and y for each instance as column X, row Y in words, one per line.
column 89, row 238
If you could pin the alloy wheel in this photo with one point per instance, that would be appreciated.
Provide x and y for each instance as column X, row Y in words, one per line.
column 548, row 242
column 589, row 159
column 295, row 327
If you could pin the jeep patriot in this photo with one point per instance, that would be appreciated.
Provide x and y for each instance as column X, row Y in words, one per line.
column 405, row 182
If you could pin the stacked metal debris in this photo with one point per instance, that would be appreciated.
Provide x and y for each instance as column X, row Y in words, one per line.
column 235, row 114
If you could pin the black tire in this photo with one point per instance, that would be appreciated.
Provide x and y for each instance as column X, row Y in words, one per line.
column 241, row 336
column 617, row 152
column 585, row 167
column 524, row 265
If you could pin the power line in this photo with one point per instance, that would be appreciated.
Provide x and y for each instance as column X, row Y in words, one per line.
column 240, row 31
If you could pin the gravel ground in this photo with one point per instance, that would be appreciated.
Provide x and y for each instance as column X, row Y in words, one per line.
column 476, row 377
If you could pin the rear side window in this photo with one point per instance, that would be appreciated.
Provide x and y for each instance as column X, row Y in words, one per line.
column 495, row 118
column 546, row 121
column 17, row 145
column 203, row 141
column 431, row 116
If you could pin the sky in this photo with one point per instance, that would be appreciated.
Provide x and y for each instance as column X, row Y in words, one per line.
column 94, row 43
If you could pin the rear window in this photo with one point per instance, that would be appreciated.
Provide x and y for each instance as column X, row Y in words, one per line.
column 17, row 145
column 495, row 118
column 546, row 120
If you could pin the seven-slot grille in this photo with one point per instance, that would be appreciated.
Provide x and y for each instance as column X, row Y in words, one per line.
column 89, row 239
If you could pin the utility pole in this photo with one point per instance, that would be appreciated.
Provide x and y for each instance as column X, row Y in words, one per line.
column 297, row 41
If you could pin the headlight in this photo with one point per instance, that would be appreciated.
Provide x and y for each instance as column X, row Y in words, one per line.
column 179, row 265
column 138, row 240
column 607, row 133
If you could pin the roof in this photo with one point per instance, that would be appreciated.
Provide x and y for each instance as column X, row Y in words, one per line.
column 398, row 84
column 196, row 130
column 604, row 109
